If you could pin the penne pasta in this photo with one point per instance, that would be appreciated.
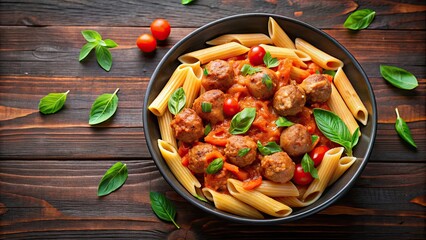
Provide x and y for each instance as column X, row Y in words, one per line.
column 192, row 84
column 278, row 36
column 222, row 51
column 165, row 129
column 298, row 74
column 273, row 189
column 247, row 39
column 319, row 57
column 279, row 52
column 294, row 201
column 343, row 164
column 302, row 55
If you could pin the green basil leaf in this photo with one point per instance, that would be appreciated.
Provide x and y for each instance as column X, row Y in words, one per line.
column 398, row 77
column 317, row 72
column 269, row 61
column 205, row 72
column 329, row 72
column 185, row 2
column 247, row 69
column 113, row 179
column 355, row 137
column 52, row 102
column 215, row 166
column 201, row 198
column 314, row 138
column 283, row 122
column 267, row 81
column 104, row 57
column 86, row 49
column 243, row 151
column 206, row 107
column 163, row 207
column 103, row 108
column 403, row 130
column 177, row 101
column 308, row 165
column 241, row 122
column 110, row 43
column 359, row 19
column 269, row 148
column 91, row 35
column 207, row 129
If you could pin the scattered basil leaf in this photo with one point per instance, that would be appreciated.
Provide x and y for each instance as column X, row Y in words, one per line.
column 241, row 122
column 206, row 107
column 86, row 49
column 359, row 19
column 185, row 2
column 269, row 148
column 52, row 102
column 215, row 166
column 308, row 165
column 314, row 138
column 283, row 122
column 267, row 81
column 205, row 72
column 163, row 207
column 91, row 35
column 247, row 69
column 243, row 151
column 110, row 43
column 103, row 55
column 269, row 61
column 403, row 130
column 329, row 72
column 113, row 179
column 399, row 77
column 103, row 108
column 207, row 129
column 177, row 101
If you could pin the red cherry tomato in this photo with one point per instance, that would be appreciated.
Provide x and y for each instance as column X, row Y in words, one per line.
column 300, row 177
column 160, row 29
column 146, row 43
column 256, row 55
column 230, row 106
column 317, row 154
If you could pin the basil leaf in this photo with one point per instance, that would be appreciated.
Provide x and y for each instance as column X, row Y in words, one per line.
column 104, row 57
column 185, row 2
column 85, row 50
column 329, row 72
column 110, row 43
column 103, row 108
column 207, row 129
column 355, row 137
column 398, row 77
column 243, row 151
column 205, row 72
column 201, row 198
column 269, row 61
column 333, row 128
column 113, row 179
column 314, row 138
column 177, row 101
column 215, row 166
column 308, row 165
column 52, row 102
column 247, row 69
column 403, row 130
column 283, row 122
column 359, row 19
column 206, row 107
column 269, row 148
column 267, row 81
column 317, row 72
column 163, row 207
column 91, row 35
column 241, row 122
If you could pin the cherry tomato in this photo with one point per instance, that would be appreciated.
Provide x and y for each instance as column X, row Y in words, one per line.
column 146, row 43
column 160, row 29
column 230, row 106
column 256, row 55
column 317, row 154
column 300, row 177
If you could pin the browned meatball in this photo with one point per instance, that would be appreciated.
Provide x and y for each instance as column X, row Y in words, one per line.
column 197, row 157
column 187, row 126
column 237, row 143
column 289, row 100
column 277, row 167
column 220, row 75
column 317, row 88
column 262, row 85
column 215, row 98
column 296, row 140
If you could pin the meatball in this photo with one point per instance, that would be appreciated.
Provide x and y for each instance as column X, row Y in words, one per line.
column 215, row 98
column 317, row 88
column 289, row 100
column 262, row 85
column 237, row 143
column 220, row 75
column 296, row 140
column 218, row 180
column 187, row 126
column 278, row 167
column 197, row 157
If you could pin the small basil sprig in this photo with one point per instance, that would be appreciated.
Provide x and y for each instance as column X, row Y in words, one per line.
column 399, row 77
column 243, row 151
column 205, row 72
column 113, row 179
column 283, row 122
column 269, row 148
column 103, row 108
column 163, row 207
column 359, row 19
column 329, row 72
column 206, row 107
column 241, row 122
column 403, row 130
column 247, row 69
column 177, row 101
column 314, row 138
column 185, row 2
column 308, row 165
column 207, row 129
column 103, row 56
column 269, row 61
column 215, row 166
column 52, row 102
column 267, row 81
column 335, row 129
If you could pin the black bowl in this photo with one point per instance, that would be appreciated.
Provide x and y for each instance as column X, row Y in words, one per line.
column 258, row 23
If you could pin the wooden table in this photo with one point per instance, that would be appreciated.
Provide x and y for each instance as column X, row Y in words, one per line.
column 51, row 164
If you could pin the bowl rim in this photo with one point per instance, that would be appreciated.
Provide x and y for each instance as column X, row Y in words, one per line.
column 292, row 217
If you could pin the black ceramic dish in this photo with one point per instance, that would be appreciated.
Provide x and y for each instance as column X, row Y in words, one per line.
column 258, row 23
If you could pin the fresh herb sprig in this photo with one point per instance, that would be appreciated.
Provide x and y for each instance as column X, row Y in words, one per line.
column 269, row 148
column 283, row 122
column 215, row 166
column 360, row 19
column 403, row 130
column 52, row 102
column 113, row 179
column 247, row 69
column 242, row 121
column 94, row 41
column 177, row 101
column 308, row 166
column 186, row 2
column 163, row 207
column 103, row 108
column 399, row 77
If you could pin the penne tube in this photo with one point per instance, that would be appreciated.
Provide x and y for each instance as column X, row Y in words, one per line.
column 343, row 164
column 294, row 201
column 222, row 51
column 302, row 55
column 273, row 189
column 298, row 74
column 247, row 39
column 319, row 57
column 280, row 52
column 278, row 36
column 192, row 84
column 165, row 129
